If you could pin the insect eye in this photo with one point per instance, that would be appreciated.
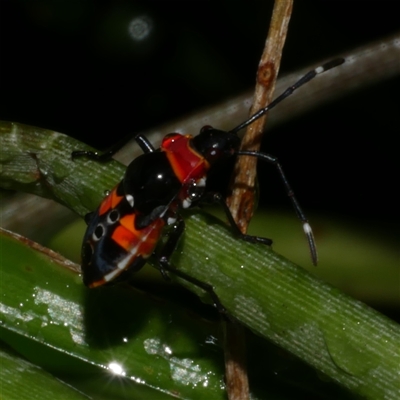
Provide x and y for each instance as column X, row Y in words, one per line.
column 98, row 232
column 113, row 216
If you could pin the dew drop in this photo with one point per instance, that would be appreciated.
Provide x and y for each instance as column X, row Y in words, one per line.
column 347, row 354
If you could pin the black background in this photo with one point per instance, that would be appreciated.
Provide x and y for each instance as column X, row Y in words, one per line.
column 72, row 67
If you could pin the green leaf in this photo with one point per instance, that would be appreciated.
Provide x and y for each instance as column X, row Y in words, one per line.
column 75, row 329
column 19, row 379
column 344, row 339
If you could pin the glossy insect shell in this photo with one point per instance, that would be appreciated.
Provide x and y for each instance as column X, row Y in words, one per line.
column 128, row 224
column 112, row 243
column 125, row 229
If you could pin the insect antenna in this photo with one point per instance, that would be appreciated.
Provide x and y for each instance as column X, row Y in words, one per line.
column 273, row 160
column 306, row 78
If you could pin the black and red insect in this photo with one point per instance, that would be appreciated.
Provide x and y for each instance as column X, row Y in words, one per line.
column 124, row 231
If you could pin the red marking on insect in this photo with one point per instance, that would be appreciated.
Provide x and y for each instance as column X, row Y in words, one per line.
column 185, row 161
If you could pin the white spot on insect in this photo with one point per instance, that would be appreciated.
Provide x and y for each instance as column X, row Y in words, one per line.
column 307, row 228
column 113, row 216
column 201, row 182
column 186, row 203
column 98, row 233
column 127, row 260
column 111, row 275
column 129, row 198
column 171, row 221
column 163, row 213
column 318, row 70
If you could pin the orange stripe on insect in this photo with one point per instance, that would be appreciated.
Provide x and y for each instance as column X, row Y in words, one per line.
column 125, row 237
column 128, row 221
column 151, row 237
column 137, row 241
column 125, row 234
column 111, row 201
column 98, row 283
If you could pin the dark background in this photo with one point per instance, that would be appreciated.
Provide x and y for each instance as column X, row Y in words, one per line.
column 71, row 66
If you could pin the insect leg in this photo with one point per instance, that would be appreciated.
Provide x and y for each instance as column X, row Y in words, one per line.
column 141, row 140
column 300, row 214
column 144, row 143
column 218, row 198
column 165, row 266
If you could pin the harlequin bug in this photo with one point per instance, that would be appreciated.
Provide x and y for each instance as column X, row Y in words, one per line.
column 124, row 231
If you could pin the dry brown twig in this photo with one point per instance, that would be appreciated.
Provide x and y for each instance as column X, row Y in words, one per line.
column 241, row 202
